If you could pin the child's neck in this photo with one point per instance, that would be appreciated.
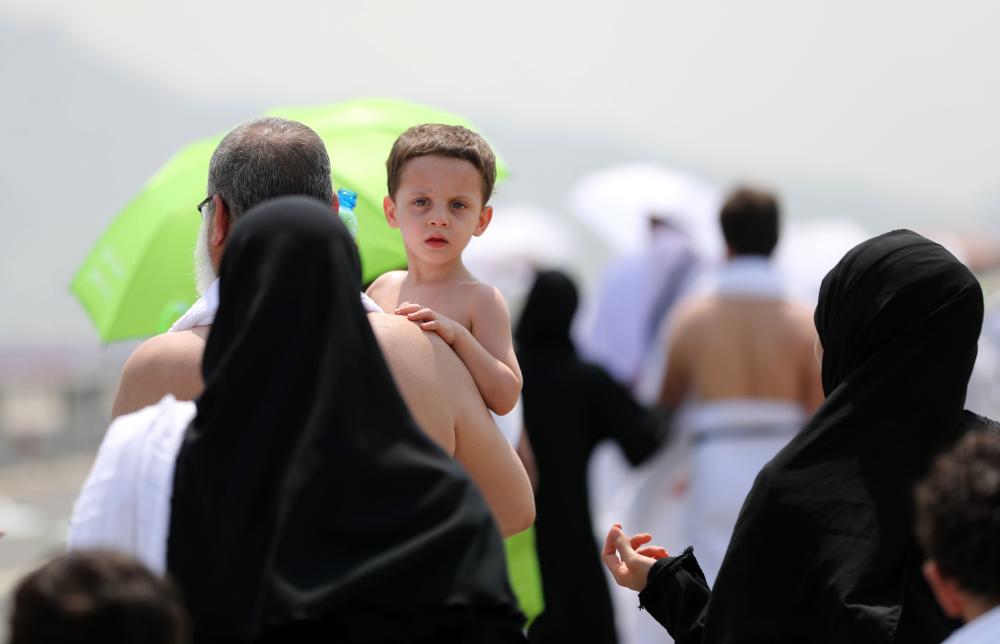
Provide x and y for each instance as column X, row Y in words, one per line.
column 423, row 273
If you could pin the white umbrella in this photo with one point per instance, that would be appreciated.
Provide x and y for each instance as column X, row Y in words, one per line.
column 617, row 202
column 519, row 240
column 807, row 250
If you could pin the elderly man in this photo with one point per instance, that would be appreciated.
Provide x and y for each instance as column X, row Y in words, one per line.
column 271, row 157
column 259, row 160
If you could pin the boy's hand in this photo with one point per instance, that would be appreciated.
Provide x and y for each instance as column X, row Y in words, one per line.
column 629, row 566
column 429, row 320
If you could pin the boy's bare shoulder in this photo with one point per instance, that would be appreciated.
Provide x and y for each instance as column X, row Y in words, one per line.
column 386, row 280
column 483, row 296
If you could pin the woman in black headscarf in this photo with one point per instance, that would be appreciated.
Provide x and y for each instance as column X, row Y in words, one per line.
column 569, row 407
column 823, row 549
column 307, row 505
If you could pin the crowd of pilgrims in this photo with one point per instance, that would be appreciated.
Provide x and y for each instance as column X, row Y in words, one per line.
column 350, row 524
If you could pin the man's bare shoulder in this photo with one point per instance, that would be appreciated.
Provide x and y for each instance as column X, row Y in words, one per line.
column 169, row 363
column 694, row 310
column 179, row 349
column 394, row 331
column 405, row 344
column 427, row 373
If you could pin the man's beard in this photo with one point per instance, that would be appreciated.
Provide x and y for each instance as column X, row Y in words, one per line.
column 204, row 273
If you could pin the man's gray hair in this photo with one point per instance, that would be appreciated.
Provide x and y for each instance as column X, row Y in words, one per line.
column 269, row 157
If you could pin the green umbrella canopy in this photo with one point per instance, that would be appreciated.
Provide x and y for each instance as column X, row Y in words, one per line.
column 139, row 277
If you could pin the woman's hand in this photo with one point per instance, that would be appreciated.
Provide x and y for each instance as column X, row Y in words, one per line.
column 630, row 567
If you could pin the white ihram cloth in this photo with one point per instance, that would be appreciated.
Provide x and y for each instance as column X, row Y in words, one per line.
column 202, row 312
column 731, row 440
column 985, row 629
column 125, row 502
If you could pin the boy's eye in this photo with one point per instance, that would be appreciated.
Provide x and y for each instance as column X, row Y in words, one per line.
column 458, row 205
column 420, row 203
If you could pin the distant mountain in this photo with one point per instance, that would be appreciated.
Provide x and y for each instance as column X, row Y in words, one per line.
column 78, row 142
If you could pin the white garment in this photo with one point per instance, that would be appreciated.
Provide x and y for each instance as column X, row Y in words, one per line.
column 202, row 312
column 985, row 629
column 125, row 502
column 731, row 440
column 511, row 424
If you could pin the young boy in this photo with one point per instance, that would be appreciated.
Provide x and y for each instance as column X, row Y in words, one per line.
column 440, row 178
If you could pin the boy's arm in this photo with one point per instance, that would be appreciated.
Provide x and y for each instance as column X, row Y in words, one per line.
column 487, row 349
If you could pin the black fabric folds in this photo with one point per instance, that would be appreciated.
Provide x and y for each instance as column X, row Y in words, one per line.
column 679, row 584
column 569, row 407
column 307, row 504
column 823, row 548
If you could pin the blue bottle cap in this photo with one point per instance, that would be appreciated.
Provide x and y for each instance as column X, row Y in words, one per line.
column 347, row 198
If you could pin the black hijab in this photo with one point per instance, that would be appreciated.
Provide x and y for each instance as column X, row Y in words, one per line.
column 822, row 550
column 548, row 314
column 304, row 492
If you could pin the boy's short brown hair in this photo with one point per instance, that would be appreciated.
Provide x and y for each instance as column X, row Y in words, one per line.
column 452, row 141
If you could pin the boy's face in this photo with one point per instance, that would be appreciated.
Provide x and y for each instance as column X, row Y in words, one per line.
column 438, row 207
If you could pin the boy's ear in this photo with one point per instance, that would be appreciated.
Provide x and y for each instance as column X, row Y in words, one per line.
column 485, row 217
column 389, row 208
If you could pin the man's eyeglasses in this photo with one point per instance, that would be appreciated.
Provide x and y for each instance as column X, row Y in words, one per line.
column 204, row 202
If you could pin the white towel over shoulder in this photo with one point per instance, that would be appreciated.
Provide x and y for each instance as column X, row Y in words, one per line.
column 125, row 502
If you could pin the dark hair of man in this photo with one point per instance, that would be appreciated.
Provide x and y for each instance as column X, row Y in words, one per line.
column 958, row 514
column 96, row 596
column 269, row 157
column 453, row 141
column 749, row 221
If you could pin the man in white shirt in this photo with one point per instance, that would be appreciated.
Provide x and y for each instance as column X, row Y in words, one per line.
column 958, row 527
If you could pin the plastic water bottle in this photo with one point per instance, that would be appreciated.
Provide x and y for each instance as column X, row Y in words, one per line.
column 348, row 200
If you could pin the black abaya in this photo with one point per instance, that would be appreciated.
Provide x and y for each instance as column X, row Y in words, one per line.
column 307, row 504
column 569, row 407
column 823, row 549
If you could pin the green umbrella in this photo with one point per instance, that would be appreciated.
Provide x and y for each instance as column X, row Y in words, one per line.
column 139, row 277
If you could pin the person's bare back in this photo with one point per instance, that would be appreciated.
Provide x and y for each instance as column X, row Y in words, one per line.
column 445, row 402
column 725, row 347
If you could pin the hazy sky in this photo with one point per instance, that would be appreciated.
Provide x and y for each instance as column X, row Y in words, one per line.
column 892, row 103
column 898, row 97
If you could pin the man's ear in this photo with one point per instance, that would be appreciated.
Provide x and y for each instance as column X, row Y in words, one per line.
column 220, row 222
column 335, row 203
column 389, row 208
column 485, row 217
column 946, row 591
